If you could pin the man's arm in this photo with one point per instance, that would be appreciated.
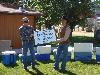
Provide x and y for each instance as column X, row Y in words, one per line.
column 23, row 34
column 67, row 34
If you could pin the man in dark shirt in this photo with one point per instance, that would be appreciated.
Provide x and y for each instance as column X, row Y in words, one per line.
column 26, row 33
column 63, row 44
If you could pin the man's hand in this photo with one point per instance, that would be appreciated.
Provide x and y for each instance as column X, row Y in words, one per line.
column 53, row 42
column 57, row 41
column 31, row 35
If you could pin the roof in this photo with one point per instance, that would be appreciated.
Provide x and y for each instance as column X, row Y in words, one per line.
column 12, row 10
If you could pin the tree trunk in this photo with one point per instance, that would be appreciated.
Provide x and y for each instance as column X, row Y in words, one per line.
column 83, row 28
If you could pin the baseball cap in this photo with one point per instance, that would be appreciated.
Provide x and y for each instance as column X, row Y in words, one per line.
column 25, row 19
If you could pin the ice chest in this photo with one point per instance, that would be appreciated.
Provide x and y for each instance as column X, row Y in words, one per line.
column 42, row 57
column 9, row 57
column 97, row 57
column 97, row 53
column 82, row 56
column 44, row 49
column 83, row 47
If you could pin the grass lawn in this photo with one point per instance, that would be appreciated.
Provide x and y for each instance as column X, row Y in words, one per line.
column 46, row 68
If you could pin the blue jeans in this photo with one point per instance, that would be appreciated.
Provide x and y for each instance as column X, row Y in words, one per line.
column 28, row 44
column 62, row 49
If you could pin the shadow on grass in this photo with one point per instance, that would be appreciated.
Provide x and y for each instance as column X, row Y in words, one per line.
column 91, row 62
column 66, row 72
column 0, row 58
column 72, row 60
column 47, row 61
column 11, row 66
column 36, row 63
column 37, row 72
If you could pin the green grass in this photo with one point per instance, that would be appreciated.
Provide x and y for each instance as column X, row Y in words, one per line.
column 81, row 39
column 46, row 68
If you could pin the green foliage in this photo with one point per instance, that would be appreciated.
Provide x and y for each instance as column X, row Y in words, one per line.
column 54, row 9
column 81, row 9
column 8, row 1
column 75, row 10
column 78, row 39
column 82, row 39
column 54, row 44
column 96, row 4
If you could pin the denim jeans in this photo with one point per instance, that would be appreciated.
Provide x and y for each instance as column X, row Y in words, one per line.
column 62, row 49
column 28, row 45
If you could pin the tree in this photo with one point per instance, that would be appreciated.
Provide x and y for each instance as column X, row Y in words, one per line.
column 82, row 9
column 8, row 1
column 74, row 9
column 54, row 9
column 90, row 24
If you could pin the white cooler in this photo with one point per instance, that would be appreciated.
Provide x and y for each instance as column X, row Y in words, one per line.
column 44, row 49
column 83, row 51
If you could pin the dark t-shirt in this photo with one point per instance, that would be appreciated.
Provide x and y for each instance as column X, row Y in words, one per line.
column 25, row 32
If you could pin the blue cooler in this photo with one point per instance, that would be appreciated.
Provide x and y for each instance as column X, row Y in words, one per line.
column 83, row 51
column 97, row 53
column 97, row 57
column 83, row 56
column 9, row 57
column 42, row 57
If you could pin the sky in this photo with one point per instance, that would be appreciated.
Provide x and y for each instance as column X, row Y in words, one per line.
column 92, row 0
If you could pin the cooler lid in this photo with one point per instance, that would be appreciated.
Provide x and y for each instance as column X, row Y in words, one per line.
column 8, row 52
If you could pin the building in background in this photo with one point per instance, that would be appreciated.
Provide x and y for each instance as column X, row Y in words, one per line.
column 10, row 21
